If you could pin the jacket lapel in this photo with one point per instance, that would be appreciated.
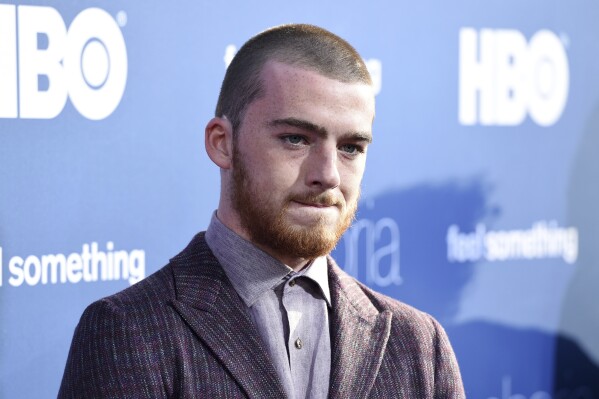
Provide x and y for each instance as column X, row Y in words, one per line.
column 359, row 335
column 211, row 307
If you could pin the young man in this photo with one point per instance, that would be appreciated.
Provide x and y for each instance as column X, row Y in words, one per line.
column 255, row 307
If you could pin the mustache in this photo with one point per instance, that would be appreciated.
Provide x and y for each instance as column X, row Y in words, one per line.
column 322, row 199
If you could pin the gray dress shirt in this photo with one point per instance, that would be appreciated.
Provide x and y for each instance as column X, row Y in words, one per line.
column 289, row 309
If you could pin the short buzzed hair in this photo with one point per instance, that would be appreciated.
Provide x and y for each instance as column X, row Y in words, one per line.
column 305, row 46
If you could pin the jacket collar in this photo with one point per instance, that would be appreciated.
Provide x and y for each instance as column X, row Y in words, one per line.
column 359, row 335
column 209, row 304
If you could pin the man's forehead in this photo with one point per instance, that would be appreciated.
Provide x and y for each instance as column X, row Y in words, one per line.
column 274, row 70
column 279, row 78
column 280, row 70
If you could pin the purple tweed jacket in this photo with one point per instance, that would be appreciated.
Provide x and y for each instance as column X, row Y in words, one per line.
column 183, row 332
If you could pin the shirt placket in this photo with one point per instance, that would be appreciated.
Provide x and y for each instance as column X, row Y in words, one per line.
column 298, row 344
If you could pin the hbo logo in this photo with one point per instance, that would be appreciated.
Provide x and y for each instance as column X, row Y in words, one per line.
column 41, row 63
column 503, row 78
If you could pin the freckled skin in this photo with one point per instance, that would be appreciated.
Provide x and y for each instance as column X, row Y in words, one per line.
column 322, row 157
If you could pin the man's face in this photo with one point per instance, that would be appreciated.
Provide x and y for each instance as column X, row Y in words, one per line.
column 299, row 157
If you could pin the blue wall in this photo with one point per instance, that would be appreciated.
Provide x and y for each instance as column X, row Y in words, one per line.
column 479, row 202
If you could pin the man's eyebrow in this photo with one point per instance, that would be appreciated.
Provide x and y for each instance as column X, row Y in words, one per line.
column 359, row 136
column 319, row 130
column 300, row 123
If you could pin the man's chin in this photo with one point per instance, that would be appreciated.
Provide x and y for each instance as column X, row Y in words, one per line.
column 308, row 240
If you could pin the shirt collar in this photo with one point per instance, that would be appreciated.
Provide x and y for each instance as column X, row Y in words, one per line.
column 317, row 272
column 252, row 271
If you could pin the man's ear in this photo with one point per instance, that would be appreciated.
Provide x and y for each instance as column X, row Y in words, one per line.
column 219, row 141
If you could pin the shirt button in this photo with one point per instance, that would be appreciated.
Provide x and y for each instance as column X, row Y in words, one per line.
column 299, row 343
column 292, row 283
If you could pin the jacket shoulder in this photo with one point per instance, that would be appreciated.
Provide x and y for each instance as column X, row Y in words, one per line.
column 124, row 342
column 158, row 287
column 366, row 296
column 402, row 312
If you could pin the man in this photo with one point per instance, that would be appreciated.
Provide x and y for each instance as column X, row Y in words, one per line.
column 255, row 307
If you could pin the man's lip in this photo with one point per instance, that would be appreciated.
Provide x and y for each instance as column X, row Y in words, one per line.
column 314, row 204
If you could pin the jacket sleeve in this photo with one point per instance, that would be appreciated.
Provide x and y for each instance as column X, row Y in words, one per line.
column 448, row 381
column 109, row 358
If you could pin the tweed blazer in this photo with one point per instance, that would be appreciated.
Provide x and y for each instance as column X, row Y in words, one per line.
column 183, row 332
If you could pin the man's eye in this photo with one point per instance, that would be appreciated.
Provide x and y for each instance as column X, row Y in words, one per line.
column 294, row 139
column 351, row 148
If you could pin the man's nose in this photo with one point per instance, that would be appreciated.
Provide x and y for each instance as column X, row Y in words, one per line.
column 322, row 168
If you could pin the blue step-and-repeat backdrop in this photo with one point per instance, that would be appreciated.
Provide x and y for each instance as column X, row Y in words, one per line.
column 480, row 199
